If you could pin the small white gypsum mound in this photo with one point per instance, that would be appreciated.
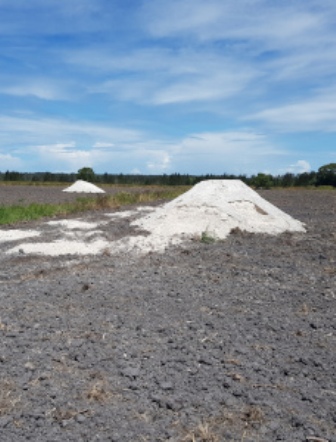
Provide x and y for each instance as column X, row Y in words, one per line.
column 15, row 234
column 81, row 186
column 62, row 247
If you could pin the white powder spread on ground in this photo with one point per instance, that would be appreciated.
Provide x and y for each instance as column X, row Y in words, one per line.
column 128, row 213
column 16, row 234
column 213, row 207
column 73, row 224
column 62, row 247
column 123, row 214
column 81, row 186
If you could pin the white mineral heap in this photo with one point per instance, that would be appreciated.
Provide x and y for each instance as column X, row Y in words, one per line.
column 215, row 207
column 81, row 186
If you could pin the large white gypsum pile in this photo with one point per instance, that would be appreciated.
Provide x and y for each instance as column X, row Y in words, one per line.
column 214, row 207
column 81, row 186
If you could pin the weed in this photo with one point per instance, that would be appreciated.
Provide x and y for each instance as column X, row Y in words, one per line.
column 98, row 392
column 305, row 309
column 106, row 252
column 203, row 433
column 245, row 422
column 236, row 231
column 8, row 398
column 60, row 415
column 233, row 361
column 207, row 238
column 253, row 414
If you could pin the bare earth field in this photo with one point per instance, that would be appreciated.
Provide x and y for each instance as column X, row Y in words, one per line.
column 24, row 195
column 230, row 341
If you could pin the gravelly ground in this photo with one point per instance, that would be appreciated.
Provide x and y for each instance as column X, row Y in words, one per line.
column 232, row 341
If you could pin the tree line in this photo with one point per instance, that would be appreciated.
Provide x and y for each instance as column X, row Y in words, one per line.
column 325, row 176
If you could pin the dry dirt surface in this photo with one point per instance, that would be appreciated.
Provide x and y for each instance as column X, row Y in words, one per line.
column 229, row 341
column 24, row 195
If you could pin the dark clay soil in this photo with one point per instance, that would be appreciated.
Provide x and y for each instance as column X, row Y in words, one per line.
column 231, row 341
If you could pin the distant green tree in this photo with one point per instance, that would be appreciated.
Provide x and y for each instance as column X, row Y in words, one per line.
column 13, row 176
column 306, row 179
column 262, row 181
column 328, row 168
column 288, row 180
column 326, row 175
column 86, row 174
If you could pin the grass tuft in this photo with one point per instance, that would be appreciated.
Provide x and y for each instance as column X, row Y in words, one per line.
column 98, row 392
column 8, row 397
column 207, row 238
column 203, row 433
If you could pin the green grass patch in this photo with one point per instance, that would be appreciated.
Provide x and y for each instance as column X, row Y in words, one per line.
column 16, row 213
column 207, row 238
column 325, row 188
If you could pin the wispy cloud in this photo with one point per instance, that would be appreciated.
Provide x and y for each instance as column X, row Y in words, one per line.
column 257, row 21
column 10, row 162
column 69, row 146
column 160, row 162
column 102, row 145
column 56, row 17
column 42, row 88
column 36, row 130
column 233, row 151
column 312, row 114
column 288, row 44
column 154, row 76
column 67, row 156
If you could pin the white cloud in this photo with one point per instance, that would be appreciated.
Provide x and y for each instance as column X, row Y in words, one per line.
column 225, row 50
column 59, row 146
column 45, row 145
column 268, row 23
column 211, row 87
column 67, row 156
column 314, row 114
column 10, row 162
column 280, row 41
column 159, row 163
column 100, row 144
column 172, row 77
column 237, row 152
column 56, row 17
column 232, row 143
column 44, row 89
column 40, row 131
column 300, row 166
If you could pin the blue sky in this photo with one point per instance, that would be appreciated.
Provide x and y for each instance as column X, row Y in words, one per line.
column 165, row 86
